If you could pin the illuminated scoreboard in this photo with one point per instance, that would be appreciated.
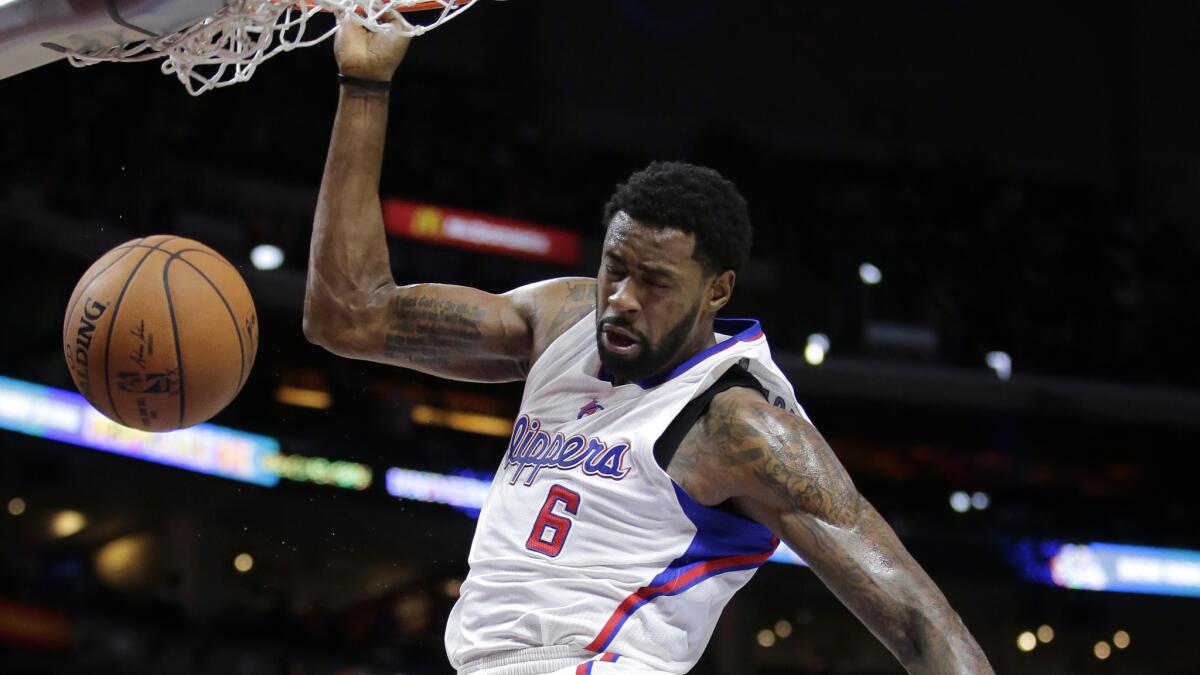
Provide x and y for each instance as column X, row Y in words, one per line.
column 65, row 416
column 1120, row 568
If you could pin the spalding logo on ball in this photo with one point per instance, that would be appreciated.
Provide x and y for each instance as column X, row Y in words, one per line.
column 160, row 333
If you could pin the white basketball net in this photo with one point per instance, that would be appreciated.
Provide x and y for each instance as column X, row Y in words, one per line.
column 225, row 48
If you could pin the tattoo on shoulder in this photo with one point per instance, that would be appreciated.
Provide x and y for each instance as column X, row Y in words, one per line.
column 786, row 454
column 430, row 331
column 580, row 299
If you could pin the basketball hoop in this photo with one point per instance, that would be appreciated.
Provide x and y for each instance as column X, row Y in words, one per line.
column 226, row 47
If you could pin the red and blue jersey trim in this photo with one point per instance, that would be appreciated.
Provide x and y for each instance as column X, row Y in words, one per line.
column 724, row 542
column 586, row 667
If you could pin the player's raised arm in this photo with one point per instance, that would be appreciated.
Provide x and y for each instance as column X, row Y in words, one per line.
column 790, row 480
column 352, row 305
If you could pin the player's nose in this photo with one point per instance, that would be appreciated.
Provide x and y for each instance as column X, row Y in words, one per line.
column 623, row 298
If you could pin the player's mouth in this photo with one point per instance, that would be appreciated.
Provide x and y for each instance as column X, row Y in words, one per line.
column 619, row 341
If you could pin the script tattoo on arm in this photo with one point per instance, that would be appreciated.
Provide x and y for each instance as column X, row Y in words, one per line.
column 780, row 471
column 455, row 332
column 466, row 334
column 429, row 332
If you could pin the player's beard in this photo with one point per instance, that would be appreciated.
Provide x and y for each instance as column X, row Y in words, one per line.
column 650, row 359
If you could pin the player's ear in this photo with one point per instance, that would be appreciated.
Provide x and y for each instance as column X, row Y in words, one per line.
column 719, row 290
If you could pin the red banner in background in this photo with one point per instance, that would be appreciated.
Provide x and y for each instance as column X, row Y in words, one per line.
column 32, row 626
column 480, row 232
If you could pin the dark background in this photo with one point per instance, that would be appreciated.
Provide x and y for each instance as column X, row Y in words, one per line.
column 1026, row 176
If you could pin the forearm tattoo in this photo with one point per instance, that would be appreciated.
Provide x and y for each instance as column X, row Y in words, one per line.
column 431, row 332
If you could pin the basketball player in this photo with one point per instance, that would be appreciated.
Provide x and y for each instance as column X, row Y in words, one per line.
column 659, row 454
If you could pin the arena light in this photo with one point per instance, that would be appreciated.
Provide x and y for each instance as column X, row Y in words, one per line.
column 785, row 555
column 58, row 415
column 1120, row 639
column 1102, row 650
column 16, row 506
column 243, row 562
column 319, row 471
column 435, row 488
column 303, row 397
column 869, row 274
column 467, row 422
column 266, row 257
column 980, row 500
column 66, row 523
column 1026, row 641
column 766, row 638
column 1001, row 363
column 960, row 501
column 125, row 562
column 816, row 348
column 1117, row 568
column 1045, row 633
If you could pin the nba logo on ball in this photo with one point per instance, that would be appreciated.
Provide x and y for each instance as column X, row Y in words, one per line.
column 160, row 333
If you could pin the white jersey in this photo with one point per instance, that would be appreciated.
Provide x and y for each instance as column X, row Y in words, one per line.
column 584, row 541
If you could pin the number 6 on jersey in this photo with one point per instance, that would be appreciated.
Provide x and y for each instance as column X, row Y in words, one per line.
column 550, row 529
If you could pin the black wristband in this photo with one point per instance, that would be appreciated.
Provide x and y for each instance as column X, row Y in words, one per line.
column 363, row 83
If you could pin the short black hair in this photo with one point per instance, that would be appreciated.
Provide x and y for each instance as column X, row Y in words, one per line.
column 694, row 199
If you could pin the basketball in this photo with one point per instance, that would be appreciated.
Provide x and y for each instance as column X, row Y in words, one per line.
column 160, row 333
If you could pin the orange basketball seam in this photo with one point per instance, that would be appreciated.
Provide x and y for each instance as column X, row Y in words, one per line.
column 112, row 323
column 212, row 254
column 221, row 259
column 83, row 289
column 216, row 256
column 237, row 329
column 175, row 332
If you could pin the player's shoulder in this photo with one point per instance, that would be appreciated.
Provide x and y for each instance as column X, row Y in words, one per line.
column 552, row 306
column 744, row 448
column 724, row 451
column 740, row 416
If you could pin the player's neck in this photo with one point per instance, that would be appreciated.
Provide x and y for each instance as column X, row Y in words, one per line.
column 699, row 341
column 703, row 340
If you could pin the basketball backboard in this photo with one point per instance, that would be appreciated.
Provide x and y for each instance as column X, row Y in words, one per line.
column 36, row 32
column 206, row 44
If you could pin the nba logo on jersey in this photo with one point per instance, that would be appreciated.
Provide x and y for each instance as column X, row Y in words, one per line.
column 591, row 408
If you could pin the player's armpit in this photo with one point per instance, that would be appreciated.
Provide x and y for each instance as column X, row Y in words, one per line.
column 790, row 480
